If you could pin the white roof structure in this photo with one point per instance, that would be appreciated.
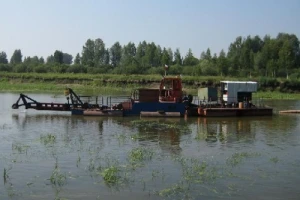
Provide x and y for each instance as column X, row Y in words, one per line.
column 234, row 87
column 250, row 82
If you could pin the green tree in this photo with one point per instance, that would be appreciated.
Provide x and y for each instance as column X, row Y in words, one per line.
column 88, row 53
column 158, row 56
column 150, row 54
column 286, row 57
column 50, row 59
column 115, row 54
column 270, row 57
column 106, row 57
column 141, row 52
column 202, row 55
column 58, row 57
column 3, row 58
column 41, row 60
column 222, row 64
column 189, row 59
column 214, row 59
column 165, row 59
column 207, row 68
column 35, row 60
column 16, row 57
column 27, row 60
column 99, row 52
column 67, row 58
column 256, row 44
column 260, row 64
column 170, row 52
column 247, row 56
column 177, row 57
column 128, row 54
column 233, row 56
column 77, row 59
column 208, row 54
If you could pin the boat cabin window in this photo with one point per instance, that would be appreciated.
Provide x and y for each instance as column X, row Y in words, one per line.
column 168, row 84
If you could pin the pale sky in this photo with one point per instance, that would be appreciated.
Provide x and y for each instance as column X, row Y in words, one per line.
column 39, row 27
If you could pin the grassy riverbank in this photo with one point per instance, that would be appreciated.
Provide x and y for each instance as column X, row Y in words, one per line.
column 120, row 84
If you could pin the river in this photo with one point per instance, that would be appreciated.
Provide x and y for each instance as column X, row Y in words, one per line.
column 53, row 155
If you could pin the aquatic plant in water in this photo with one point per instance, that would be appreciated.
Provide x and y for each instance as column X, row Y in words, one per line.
column 140, row 154
column 111, row 174
column 146, row 125
column 274, row 159
column 57, row 178
column 5, row 175
column 20, row 148
column 174, row 191
column 237, row 158
column 48, row 139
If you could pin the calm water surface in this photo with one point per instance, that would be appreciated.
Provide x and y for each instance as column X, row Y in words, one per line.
column 53, row 155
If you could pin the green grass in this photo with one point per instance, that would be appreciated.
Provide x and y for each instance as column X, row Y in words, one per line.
column 114, row 84
column 276, row 95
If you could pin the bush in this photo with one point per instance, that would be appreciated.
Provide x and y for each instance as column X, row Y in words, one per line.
column 269, row 82
column 76, row 69
column 5, row 68
column 20, row 68
column 40, row 69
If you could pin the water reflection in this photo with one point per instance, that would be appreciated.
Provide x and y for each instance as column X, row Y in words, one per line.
column 86, row 146
column 228, row 130
column 23, row 120
column 166, row 132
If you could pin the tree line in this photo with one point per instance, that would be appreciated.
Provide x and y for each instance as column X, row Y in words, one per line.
column 246, row 57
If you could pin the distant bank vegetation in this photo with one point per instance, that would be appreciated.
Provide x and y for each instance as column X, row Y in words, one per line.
column 115, row 80
column 277, row 60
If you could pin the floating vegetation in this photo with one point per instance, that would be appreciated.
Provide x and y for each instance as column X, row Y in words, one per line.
column 121, row 138
column 111, row 174
column 20, row 148
column 173, row 191
column 201, row 136
column 160, row 157
column 91, row 166
column 146, row 125
column 48, row 139
column 140, row 154
column 199, row 172
column 274, row 159
column 137, row 137
column 237, row 158
column 57, row 178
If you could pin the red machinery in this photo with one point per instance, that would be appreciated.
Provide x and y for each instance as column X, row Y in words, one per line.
column 170, row 89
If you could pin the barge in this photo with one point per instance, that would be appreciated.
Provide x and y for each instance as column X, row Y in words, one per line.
column 169, row 100
column 234, row 98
